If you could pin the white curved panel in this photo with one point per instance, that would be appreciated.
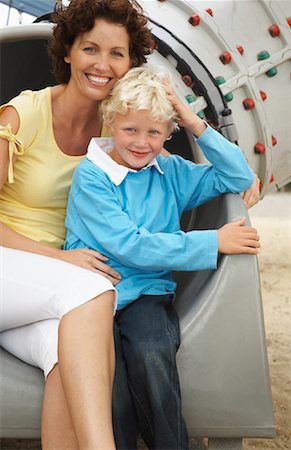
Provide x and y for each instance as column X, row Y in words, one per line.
column 255, row 37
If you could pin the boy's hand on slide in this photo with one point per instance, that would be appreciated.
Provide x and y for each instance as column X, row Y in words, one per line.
column 235, row 238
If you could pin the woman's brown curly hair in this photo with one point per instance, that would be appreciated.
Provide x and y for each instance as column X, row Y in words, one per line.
column 79, row 17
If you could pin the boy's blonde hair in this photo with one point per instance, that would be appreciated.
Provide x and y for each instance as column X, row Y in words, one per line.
column 141, row 88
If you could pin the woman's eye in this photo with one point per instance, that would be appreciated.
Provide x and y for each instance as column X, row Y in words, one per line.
column 89, row 49
column 154, row 132
column 117, row 53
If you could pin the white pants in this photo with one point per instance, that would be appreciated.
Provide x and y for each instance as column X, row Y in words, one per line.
column 36, row 343
column 35, row 288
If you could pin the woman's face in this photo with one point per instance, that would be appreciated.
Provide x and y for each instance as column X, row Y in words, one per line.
column 98, row 58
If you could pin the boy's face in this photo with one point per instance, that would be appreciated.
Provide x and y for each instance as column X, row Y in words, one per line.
column 138, row 138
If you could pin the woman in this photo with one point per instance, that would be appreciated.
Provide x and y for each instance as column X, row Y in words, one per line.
column 44, row 135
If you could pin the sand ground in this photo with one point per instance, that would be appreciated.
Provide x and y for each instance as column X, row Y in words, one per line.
column 272, row 218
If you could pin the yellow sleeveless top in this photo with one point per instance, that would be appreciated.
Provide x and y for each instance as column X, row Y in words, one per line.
column 33, row 201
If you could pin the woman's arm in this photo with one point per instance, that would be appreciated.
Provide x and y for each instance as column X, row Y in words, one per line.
column 252, row 195
column 9, row 116
column 8, row 237
column 88, row 259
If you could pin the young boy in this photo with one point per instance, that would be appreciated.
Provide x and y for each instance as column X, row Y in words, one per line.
column 126, row 201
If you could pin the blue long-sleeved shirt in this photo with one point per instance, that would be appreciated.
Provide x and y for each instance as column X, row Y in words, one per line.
column 134, row 219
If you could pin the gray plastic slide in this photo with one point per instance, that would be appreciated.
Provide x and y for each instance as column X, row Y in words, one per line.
column 222, row 361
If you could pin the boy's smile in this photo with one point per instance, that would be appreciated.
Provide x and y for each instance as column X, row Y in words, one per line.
column 138, row 139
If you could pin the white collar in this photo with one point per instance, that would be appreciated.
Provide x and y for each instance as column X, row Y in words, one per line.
column 97, row 154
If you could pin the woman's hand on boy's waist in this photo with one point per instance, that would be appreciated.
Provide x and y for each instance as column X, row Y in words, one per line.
column 91, row 260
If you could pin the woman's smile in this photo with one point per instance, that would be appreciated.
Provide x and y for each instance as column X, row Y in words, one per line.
column 98, row 80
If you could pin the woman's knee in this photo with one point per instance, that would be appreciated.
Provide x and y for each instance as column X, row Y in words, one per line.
column 101, row 305
column 107, row 300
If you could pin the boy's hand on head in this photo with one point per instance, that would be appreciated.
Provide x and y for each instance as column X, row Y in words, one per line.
column 235, row 238
column 186, row 117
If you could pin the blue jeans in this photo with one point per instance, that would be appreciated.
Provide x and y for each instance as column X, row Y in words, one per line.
column 146, row 392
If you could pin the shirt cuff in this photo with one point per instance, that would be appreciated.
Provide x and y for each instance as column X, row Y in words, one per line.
column 206, row 125
column 213, row 249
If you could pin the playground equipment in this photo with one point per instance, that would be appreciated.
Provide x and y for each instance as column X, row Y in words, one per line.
column 230, row 60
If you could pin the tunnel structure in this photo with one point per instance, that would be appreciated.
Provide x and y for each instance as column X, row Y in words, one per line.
column 234, row 60
column 230, row 61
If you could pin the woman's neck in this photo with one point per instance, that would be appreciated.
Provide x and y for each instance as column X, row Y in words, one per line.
column 74, row 109
column 75, row 120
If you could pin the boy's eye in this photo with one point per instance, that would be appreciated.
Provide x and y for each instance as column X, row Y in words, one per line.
column 130, row 130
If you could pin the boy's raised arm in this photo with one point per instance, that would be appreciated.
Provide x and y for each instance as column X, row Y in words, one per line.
column 229, row 172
